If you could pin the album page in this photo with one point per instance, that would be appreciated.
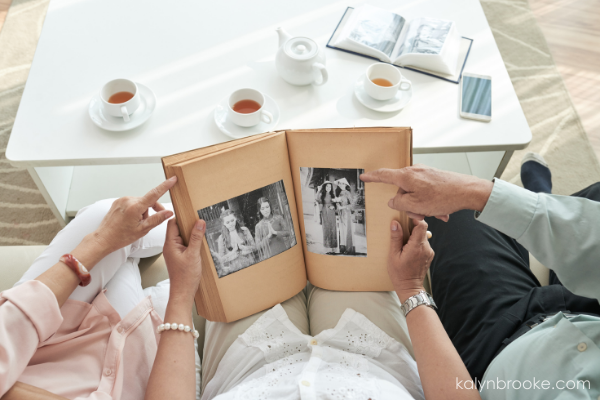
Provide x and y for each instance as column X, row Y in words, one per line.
column 252, row 256
column 344, row 222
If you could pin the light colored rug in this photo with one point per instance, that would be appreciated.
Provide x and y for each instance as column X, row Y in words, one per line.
column 24, row 216
column 557, row 130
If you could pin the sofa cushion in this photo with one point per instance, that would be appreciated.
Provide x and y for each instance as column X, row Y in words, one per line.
column 14, row 261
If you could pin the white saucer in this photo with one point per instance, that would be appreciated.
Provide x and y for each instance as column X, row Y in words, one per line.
column 396, row 103
column 118, row 124
column 236, row 131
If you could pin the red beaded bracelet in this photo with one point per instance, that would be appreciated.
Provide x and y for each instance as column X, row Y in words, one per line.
column 82, row 273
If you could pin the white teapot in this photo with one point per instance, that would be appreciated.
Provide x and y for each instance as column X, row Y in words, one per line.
column 299, row 60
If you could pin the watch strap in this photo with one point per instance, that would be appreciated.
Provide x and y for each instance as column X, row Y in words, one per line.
column 419, row 299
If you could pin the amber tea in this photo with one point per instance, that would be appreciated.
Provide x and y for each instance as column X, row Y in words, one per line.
column 246, row 106
column 382, row 82
column 120, row 97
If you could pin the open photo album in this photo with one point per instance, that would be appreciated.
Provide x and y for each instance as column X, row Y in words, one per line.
column 285, row 207
column 427, row 45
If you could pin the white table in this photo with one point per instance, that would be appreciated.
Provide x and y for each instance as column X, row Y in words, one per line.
column 193, row 54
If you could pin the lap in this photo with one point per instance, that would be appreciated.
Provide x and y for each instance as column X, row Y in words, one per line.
column 477, row 274
column 219, row 336
column 88, row 219
column 325, row 307
column 312, row 311
column 484, row 288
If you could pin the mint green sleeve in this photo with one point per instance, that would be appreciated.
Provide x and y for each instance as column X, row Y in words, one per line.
column 562, row 232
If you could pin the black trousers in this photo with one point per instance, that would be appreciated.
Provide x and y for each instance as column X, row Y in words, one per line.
column 484, row 288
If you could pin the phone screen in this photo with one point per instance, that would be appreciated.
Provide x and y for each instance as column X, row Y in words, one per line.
column 477, row 95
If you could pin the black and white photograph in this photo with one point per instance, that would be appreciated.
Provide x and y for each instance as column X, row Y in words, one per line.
column 333, row 201
column 249, row 228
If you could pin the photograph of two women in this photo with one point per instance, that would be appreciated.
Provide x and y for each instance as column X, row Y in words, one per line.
column 333, row 201
column 249, row 228
column 257, row 225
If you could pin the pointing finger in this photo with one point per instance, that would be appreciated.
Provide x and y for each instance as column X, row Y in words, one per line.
column 153, row 195
column 382, row 175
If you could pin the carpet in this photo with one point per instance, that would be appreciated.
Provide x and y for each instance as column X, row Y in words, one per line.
column 25, row 219
column 556, row 128
column 557, row 131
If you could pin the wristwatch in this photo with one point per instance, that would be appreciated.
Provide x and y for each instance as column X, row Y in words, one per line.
column 419, row 299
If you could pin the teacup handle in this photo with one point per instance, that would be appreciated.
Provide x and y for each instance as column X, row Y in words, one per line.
column 125, row 113
column 321, row 70
column 405, row 84
column 266, row 116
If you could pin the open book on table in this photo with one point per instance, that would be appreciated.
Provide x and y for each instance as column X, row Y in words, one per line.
column 427, row 45
column 284, row 207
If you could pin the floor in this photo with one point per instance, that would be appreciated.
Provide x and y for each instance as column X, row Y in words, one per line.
column 572, row 29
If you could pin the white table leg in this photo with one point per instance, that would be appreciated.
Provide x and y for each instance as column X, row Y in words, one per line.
column 54, row 184
column 503, row 163
column 485, row 164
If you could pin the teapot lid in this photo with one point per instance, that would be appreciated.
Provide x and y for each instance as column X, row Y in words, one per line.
column 301, row 48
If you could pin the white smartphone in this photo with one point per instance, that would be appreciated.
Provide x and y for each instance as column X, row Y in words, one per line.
column 476, row 97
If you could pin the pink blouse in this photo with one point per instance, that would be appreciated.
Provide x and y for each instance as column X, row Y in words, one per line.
column 80, row 351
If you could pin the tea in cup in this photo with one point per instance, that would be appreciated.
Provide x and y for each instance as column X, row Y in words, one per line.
column 120, row 98
column 384, row 80
column 246, row 108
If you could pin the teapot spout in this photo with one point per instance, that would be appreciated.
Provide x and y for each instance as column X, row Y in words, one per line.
column 283, row 36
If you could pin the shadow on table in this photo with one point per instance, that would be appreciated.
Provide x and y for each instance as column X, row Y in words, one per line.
column 349, row 106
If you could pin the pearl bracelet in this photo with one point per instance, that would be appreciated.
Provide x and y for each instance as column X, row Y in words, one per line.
column 176, row 327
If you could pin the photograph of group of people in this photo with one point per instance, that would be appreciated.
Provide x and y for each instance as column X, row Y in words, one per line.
column 249, row 228
column 334, row 211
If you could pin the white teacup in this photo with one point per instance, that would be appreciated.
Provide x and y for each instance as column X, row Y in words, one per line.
column 126, row 108
column 390, row 74
column 248, row 119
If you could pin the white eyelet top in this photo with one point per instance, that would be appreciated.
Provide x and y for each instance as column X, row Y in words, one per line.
column 354, row 360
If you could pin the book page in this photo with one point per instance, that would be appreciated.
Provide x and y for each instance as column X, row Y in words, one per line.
column 425, row 64
column 369, row 30
column 430, row 43
column 252, row 248
column 344, row 222
column 425, row 36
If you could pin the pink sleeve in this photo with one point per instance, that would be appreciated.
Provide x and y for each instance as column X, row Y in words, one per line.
column 96, row 396
column 29, row 314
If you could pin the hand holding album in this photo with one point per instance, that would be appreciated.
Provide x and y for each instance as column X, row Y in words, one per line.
column 283, row 188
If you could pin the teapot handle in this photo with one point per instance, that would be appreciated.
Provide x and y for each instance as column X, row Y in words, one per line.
column 322, row 71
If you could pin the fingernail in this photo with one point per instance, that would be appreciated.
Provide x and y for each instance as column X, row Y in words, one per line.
column 173, row 178
column 200, row 225
column 390, row 203
column 394, row 225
